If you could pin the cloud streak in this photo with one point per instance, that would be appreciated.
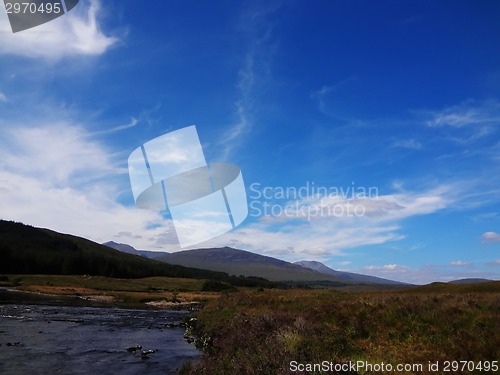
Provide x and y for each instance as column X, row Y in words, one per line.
column 133, row 122
column 468, row 121
column 77, row 33
column 412, row 144
column 460, row 263
column 256, row 27
column 467, row 113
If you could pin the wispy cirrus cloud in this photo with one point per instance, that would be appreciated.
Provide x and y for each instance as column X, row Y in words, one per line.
column 133, row 122
column 3, row 97
column 410, row 143
column 335, row 100
column 77, row 33
column 256, row 28
column 471, row 120
column 320, row 95
column 467, row 113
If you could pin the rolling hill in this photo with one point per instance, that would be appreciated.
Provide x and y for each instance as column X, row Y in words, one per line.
column 439, row 287
column 469, row 281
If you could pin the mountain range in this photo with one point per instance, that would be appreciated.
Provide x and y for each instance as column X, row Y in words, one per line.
column 241, row 262
column 350, row 276
column 29, row 250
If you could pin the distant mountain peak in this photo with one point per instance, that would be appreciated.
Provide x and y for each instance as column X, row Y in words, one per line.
column 121, row 247
column 314, row 265
column 356, row 277
column 125, row 248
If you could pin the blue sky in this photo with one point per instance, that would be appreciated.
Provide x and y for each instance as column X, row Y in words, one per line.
column 400, row 96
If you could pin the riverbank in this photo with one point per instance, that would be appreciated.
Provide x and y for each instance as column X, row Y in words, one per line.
column 145, row 293
column 10, row 296
column 15, row 296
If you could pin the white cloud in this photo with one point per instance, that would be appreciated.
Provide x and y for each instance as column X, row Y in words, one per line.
column 56, row 154
column 387, row 268
column 490, row 237
column 344, row 263
column 76, row 33
column 401, row 273
column 309, row 241
column 58, row 177
column 3, row 97
column 90, row 212
column 426, row 274
column 362, row 208
column 459, row 263
column 298, row 238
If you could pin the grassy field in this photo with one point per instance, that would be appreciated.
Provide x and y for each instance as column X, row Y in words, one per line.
column 262, row 332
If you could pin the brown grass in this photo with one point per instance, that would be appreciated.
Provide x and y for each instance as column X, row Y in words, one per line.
column 261, row 332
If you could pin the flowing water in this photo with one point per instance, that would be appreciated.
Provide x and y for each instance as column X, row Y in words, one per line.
column 41, row 339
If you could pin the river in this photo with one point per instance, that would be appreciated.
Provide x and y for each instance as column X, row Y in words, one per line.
column 43, row 339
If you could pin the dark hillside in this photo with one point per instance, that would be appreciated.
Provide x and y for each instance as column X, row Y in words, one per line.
column 28, row 250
